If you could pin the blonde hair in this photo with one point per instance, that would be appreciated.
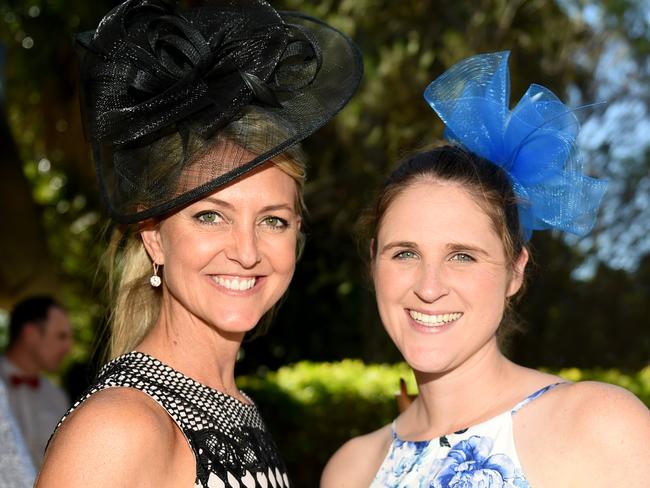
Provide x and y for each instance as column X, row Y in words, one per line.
column 135, row 303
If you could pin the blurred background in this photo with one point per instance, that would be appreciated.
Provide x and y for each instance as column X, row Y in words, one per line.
column 587, row 308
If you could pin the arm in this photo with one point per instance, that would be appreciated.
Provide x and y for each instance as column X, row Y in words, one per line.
column 612, row 434
column 118, row 437
column 356, row 463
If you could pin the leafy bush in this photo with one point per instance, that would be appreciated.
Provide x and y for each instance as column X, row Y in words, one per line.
column 313, row 408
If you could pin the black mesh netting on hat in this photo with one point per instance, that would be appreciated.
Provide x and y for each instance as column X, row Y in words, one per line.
column 180, row 102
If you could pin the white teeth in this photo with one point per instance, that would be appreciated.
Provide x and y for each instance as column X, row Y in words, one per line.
column 235, row 283
column 434, row 320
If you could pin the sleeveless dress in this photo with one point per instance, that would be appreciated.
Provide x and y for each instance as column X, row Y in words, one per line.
column 481, row 456
column 230, row 442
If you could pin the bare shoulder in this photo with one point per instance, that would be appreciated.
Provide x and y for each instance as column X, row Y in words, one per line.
column 357, row 461
column 116, row 427
column 603, row 407
column 609, row 429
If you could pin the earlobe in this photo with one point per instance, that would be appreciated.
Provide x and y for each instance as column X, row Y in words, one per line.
column 150, row 234
column 517, row 278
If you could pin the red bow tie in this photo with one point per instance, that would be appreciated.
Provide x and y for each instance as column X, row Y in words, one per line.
column 31, row 381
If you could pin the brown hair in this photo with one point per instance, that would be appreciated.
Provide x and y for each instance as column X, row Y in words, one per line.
column 488, row 184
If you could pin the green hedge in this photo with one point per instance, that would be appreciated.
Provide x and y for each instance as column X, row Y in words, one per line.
column 312, row 408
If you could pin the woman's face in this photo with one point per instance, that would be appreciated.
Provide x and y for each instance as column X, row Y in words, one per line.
column 440, row 276
column 229, row 257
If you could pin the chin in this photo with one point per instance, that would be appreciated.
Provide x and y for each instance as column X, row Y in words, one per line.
column 236, row 324
column 427, row 361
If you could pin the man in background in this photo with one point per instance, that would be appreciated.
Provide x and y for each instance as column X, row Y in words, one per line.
column 40, row 336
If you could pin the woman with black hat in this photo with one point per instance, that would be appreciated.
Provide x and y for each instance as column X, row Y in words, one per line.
column 194, row 116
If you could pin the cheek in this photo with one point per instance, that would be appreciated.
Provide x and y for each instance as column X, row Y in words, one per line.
column 493, row 283
column 281, row 252
column 391, row 280
column 488, row 292
column 47, row 350
column 392, row 286
column 192, row 250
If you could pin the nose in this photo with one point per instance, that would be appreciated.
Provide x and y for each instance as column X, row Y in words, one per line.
column 431, row 283
column 244, row 247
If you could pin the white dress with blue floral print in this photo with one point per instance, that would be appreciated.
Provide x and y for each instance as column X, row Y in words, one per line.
column 482, row 456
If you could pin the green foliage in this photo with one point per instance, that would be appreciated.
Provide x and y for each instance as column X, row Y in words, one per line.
column 569, row 323
column 4, row 329
column 329, row 312
column 313, row 383
column 313, row 408
column 43, row 112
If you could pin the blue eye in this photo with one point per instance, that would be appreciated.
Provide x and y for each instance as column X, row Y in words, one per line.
column 462, row 258
column 405, row 255
column 208, row 217
column 275, row 223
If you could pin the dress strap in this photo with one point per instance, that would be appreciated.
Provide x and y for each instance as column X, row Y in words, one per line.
column 393, row 429
column 535, row 395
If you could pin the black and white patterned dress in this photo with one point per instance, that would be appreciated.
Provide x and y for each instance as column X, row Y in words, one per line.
column 231, row 444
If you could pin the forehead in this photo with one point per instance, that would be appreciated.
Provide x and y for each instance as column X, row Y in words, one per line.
column 265, row 181
column 221, row 155
column 263, row 186
column 436, row 211
column 57, row 319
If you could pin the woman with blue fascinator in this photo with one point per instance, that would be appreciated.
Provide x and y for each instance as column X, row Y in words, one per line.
column 447, row 237
column 194, row 115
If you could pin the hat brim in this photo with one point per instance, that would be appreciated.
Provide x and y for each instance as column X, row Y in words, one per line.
column 135, row 184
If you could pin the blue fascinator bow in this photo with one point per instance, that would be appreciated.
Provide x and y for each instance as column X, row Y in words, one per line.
column 534, row 143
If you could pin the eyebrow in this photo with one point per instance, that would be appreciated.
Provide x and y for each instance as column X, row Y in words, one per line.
column 221, row 203
column 451, row 247
column 279, row 206
column 393, row 245
column 456, row 247
column 268, row 208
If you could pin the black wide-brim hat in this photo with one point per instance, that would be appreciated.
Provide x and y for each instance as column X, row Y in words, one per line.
column 177, row 103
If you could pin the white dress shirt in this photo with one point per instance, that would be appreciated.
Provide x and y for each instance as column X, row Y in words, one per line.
column 37, row 410
column 16, row 467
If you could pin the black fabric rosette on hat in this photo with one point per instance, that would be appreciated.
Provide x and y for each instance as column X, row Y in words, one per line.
column 169, row 95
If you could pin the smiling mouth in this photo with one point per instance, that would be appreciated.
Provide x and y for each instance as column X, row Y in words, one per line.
column 234, row 283
column 434, row 320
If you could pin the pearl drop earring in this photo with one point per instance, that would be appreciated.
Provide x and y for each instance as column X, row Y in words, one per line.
column 155, row 279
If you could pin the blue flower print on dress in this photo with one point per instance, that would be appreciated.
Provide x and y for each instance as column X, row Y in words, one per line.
column 469, row 465
column 408, row 459
column 405, row 455
column 482, row 456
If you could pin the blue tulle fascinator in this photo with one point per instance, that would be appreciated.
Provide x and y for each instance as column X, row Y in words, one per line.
column 535, row 142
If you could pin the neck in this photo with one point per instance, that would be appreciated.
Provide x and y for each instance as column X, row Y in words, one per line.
column 194, row 348
column 22, row 360
column 467, row 395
